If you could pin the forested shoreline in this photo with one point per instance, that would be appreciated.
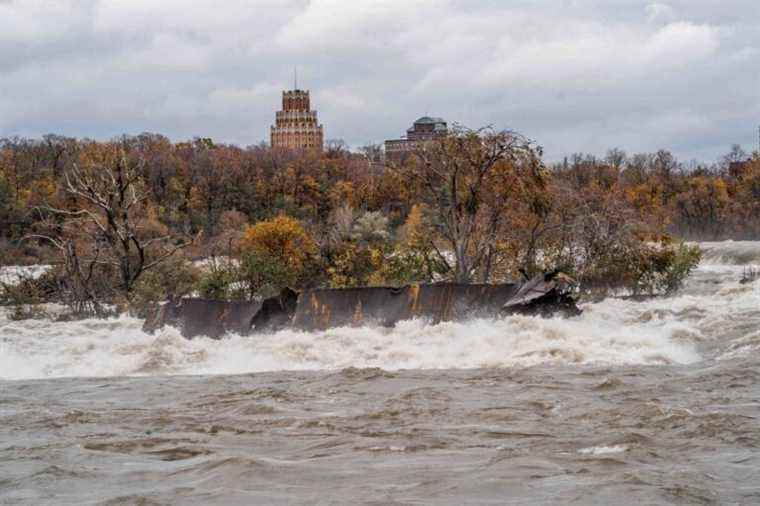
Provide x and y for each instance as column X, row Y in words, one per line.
column 123, row 220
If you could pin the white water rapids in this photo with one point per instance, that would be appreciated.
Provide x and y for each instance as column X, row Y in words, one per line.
column 715, row 317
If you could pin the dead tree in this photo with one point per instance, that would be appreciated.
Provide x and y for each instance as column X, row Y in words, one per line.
column 106, row 233
column 80, row 286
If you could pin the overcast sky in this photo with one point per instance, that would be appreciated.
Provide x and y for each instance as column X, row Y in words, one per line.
column 575, row 75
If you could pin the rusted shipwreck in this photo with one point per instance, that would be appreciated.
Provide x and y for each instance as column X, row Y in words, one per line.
column 321, row 309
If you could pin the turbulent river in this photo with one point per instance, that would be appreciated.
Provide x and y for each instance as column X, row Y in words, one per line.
column 654, row 402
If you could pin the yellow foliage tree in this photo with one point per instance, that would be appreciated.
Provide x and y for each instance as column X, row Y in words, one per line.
column 282, row 243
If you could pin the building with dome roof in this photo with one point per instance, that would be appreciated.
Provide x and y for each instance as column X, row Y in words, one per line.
column 422, row 130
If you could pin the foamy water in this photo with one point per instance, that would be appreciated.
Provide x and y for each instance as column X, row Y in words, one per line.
column 14, row 274
column 118, row 347
column 743, row 253
column 651, row 402
column 679, row 330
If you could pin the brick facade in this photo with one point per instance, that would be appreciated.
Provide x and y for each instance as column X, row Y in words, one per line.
column 296, row 125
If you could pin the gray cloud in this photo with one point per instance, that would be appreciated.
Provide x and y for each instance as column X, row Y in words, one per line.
column 576, row 75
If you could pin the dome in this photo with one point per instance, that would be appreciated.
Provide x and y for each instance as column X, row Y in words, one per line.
column 427, row 120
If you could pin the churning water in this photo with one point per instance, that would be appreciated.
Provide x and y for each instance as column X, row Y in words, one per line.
column 653, row 402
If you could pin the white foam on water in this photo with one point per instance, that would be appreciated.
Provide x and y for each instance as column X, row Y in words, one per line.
column 677, row 330
column 730, row 253
column 115, row 347
column 603, row 450
column 13, row 274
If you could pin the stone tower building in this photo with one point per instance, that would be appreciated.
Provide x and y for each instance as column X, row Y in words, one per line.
column 296, row 125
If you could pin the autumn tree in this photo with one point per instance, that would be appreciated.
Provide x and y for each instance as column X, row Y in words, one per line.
column 415, row 257
column 701, row 206
column 276, row 253
column 465, row 180
column 357, row 249
column 207, row 182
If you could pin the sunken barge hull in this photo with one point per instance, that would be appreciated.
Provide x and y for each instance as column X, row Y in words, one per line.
column 322, row 309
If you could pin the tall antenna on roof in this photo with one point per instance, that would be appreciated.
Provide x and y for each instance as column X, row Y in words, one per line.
column 295, row 78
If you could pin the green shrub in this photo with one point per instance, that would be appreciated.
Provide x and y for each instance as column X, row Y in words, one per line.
column 640, row 268
column 175, row 277
column 674, row 267
column 262, row 275
column 217, row 282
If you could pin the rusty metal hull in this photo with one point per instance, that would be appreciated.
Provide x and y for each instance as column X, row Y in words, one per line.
column 204, row 317
column 325, row 308
column 322, row 309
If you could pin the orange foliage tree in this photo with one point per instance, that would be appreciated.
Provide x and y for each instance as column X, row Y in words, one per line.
column 276, row 253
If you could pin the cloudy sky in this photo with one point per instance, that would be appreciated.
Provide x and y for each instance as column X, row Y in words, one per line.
column 575, row 75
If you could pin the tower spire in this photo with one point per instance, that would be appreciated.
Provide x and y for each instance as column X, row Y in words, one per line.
column 295, row 78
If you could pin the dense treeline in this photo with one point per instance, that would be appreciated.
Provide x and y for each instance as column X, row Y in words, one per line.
column 477, row 206
column 193, row 186
column 694, row 201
